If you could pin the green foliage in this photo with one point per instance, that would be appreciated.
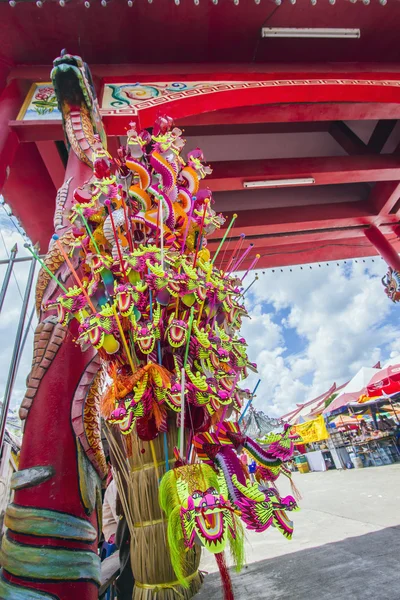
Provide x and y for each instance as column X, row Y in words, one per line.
column 331, row 398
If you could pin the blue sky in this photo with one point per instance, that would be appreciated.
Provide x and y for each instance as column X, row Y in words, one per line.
column 308, row 327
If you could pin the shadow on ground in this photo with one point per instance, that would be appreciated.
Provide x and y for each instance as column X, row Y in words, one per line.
column 359, row 568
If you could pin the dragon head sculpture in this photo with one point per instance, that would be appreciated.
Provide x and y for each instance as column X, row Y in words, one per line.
column 391, row 283
column 176, row 332
column 195, row 500
column 78, row 104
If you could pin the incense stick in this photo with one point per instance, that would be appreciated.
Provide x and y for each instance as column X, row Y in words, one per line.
column 108, row 204
column 74, row 273
column 182, row 427
column 235, row 251
column 252, row 283
column 160, row 204
column 128, row 231
column 241, row 259
column 219, row 425
column 158, row 222
column 224, row 238
column 249, row 402
column 123, row 338
column 190, row 325
column 255, row 261
column 188, row 224
column 80, row 213
column 46, row 268
column 199, row 242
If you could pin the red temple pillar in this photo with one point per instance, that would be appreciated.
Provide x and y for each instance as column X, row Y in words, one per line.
column 10, row 103
column 50, row 548
column 383, row 246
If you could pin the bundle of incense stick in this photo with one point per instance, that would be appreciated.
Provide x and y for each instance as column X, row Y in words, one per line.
column 137, row 477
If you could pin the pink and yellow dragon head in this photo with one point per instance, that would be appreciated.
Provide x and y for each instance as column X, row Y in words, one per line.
column 195, row 501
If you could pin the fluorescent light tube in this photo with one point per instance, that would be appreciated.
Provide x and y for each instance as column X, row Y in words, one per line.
column 309, row 32
column 278, row 182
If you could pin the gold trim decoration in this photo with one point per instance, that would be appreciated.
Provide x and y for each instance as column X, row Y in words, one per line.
column 149, row 523
column 164, row 586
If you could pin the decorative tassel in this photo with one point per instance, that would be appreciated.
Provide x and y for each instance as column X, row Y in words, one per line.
column 225, row 576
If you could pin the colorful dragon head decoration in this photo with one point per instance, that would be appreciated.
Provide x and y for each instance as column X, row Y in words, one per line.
column 73, row 83
column 391, row 283
column 259, row 505
column 195, row 500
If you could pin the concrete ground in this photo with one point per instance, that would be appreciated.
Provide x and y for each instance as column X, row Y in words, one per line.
column 346, row 543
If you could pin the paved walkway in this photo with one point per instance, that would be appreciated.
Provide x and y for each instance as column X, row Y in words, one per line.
column 346, row 544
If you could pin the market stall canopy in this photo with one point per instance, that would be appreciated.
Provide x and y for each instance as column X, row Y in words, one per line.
column 341, row 402
column 385, row 382
column 352, row 391
column 364, row 401
column 345, row 422
column 390, row 408
column 303, row 411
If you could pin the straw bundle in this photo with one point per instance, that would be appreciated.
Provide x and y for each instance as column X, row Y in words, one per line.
column 137, row 481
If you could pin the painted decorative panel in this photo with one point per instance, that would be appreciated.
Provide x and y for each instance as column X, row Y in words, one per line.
column 132, row 97
column 40, row 104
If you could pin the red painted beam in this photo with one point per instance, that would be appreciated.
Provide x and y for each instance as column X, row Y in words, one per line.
column 34, row 131
column 347, row 139
column 381, row 134
column 300, row 218
column 37, row 131
column 113, row 145
column 384, row 196
column 53, row 161
column 293, row 238
column 316, row 236
column 255, row 128
column 10, row 103
column 214, row 71
column 231, row 175
column 31, row 194
column 240, row 117
column 388, row 252
column 311, row 252
column 289, row 113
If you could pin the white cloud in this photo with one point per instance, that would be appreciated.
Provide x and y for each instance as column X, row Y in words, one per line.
column 341, row 315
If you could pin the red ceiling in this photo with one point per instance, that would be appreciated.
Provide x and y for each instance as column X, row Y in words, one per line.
column 162, row 31
column 323, row 222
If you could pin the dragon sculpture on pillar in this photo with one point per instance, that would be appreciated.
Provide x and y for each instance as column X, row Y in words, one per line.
column 57, row 502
